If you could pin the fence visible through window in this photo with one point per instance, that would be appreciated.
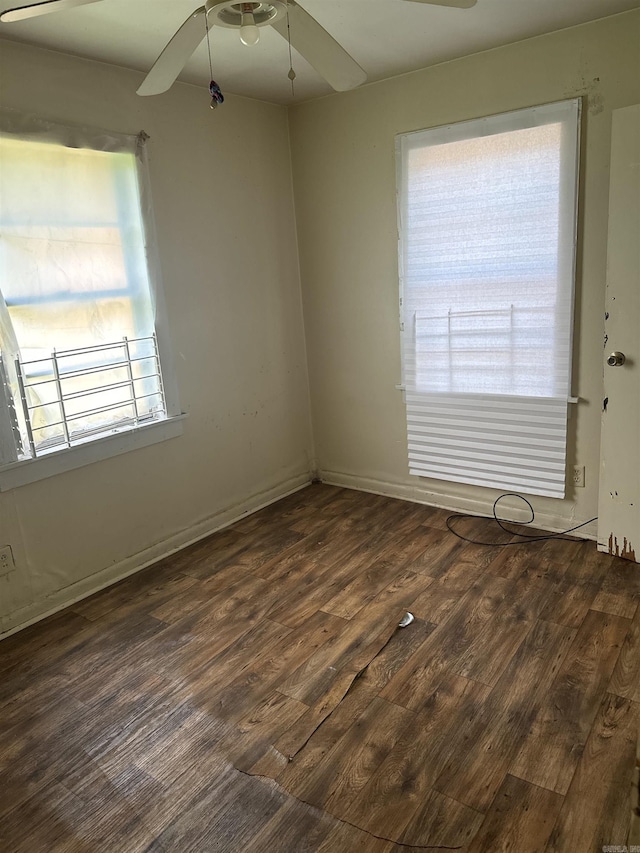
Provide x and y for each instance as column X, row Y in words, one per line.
column 74, row 395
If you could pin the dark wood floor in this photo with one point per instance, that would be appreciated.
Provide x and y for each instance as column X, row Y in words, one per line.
column 254, row 693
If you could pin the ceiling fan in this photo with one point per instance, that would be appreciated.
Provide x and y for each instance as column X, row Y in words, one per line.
column 287, row 17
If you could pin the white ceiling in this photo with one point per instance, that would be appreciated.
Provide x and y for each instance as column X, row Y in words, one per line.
column 386, row 37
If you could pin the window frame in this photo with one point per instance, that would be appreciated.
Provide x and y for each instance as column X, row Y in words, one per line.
column 119, row 439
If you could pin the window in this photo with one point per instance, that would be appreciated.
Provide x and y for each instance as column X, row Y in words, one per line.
column 82, row 336
column 487, row 243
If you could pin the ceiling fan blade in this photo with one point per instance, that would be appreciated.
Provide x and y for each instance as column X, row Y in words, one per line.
column 459, row 4
column 175, row 56
column 320, row 49
column 37, row 9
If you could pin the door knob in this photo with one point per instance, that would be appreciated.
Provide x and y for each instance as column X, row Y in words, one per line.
column 616, row 359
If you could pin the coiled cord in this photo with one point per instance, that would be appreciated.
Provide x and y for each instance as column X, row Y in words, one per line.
column 523, row 538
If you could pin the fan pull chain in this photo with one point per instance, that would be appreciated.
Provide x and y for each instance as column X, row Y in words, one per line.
column 292, row 74
column 214, row 90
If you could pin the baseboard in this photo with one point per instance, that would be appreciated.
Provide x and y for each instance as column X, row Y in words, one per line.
column 65, row 597
column 555, row 523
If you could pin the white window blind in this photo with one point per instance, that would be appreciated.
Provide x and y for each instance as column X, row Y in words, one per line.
column 487, row 223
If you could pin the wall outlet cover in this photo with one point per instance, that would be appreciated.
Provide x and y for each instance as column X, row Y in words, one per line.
column 6, row 560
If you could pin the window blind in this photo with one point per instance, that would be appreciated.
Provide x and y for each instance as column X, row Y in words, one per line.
column 487, row 223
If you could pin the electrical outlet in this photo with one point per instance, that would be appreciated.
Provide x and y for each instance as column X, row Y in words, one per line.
column 6, row 560
column 578, row 476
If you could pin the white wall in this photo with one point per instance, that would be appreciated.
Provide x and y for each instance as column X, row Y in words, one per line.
column 221, row 184
column 344, row 180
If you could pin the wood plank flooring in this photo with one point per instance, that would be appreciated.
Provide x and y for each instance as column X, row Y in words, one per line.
column 254, row 693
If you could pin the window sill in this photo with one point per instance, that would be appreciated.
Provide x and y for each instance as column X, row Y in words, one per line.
column 21, row 473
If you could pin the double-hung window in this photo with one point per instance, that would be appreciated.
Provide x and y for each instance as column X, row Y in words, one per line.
column 487, row 216
column 83, row 344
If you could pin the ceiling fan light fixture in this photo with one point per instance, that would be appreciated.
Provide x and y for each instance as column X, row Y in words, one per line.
column 245, row 16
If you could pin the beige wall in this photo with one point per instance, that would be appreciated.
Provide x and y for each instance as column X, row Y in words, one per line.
column 344, row 180
column 225, row 222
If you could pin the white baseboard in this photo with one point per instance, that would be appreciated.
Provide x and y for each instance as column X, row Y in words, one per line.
column 555, row 523
column 69, row 595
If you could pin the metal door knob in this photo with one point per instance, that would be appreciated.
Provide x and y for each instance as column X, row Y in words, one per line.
column 616, row 359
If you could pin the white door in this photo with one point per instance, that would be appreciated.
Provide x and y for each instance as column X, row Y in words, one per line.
column 619, row 500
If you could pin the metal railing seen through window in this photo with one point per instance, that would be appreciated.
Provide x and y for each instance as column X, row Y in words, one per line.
column 75, row 395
